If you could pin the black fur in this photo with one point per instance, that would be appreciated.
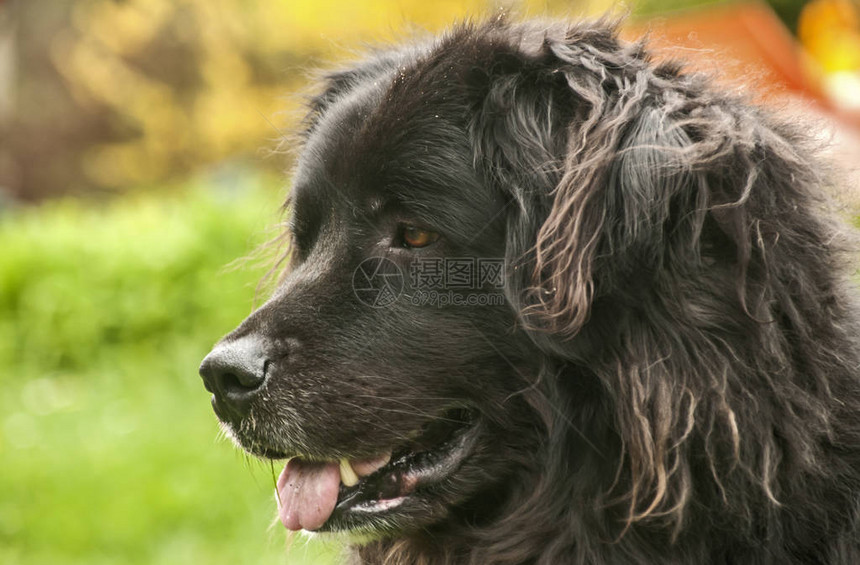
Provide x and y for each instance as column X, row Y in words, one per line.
column 675, row 374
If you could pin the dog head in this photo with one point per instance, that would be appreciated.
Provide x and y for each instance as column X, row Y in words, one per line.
column 481, row 226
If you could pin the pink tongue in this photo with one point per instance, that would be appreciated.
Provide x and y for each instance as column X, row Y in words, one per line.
column 307, row 493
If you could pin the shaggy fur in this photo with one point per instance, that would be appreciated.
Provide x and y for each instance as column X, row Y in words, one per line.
column 675, row 377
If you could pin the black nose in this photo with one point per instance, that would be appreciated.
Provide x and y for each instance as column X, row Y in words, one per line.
column 234, row 371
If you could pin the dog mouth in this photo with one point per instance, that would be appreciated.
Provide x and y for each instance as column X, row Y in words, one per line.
column 352, row 493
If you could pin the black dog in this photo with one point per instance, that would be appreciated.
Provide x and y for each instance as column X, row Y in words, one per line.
column 550, row 302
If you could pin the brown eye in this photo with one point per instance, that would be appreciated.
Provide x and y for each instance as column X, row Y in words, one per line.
column 416, row 237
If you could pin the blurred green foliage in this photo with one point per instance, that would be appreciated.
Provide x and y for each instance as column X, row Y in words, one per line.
column 107, row 440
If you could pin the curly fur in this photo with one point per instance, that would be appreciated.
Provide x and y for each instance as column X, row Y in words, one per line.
column 682, row 363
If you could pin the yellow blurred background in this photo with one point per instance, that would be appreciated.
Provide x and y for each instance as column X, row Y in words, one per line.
column 102, row 95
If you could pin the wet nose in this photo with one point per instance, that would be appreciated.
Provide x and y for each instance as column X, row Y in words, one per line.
column 234, row 371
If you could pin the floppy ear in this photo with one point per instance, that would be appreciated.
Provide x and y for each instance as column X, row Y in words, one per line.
column 609, row 211
column 591, row 160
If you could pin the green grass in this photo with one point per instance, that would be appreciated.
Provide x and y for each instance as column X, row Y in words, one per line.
column 108, row 445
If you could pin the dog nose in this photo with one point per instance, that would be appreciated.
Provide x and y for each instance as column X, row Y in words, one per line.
column 234, row 371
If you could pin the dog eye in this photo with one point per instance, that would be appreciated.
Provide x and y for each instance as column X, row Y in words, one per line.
column 415, row 237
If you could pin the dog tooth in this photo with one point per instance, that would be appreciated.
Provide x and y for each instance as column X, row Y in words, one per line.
column 364, row 467
column 347, row 475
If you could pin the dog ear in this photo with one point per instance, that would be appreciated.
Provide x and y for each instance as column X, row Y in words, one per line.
column 591, row 160
column 610, row 210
